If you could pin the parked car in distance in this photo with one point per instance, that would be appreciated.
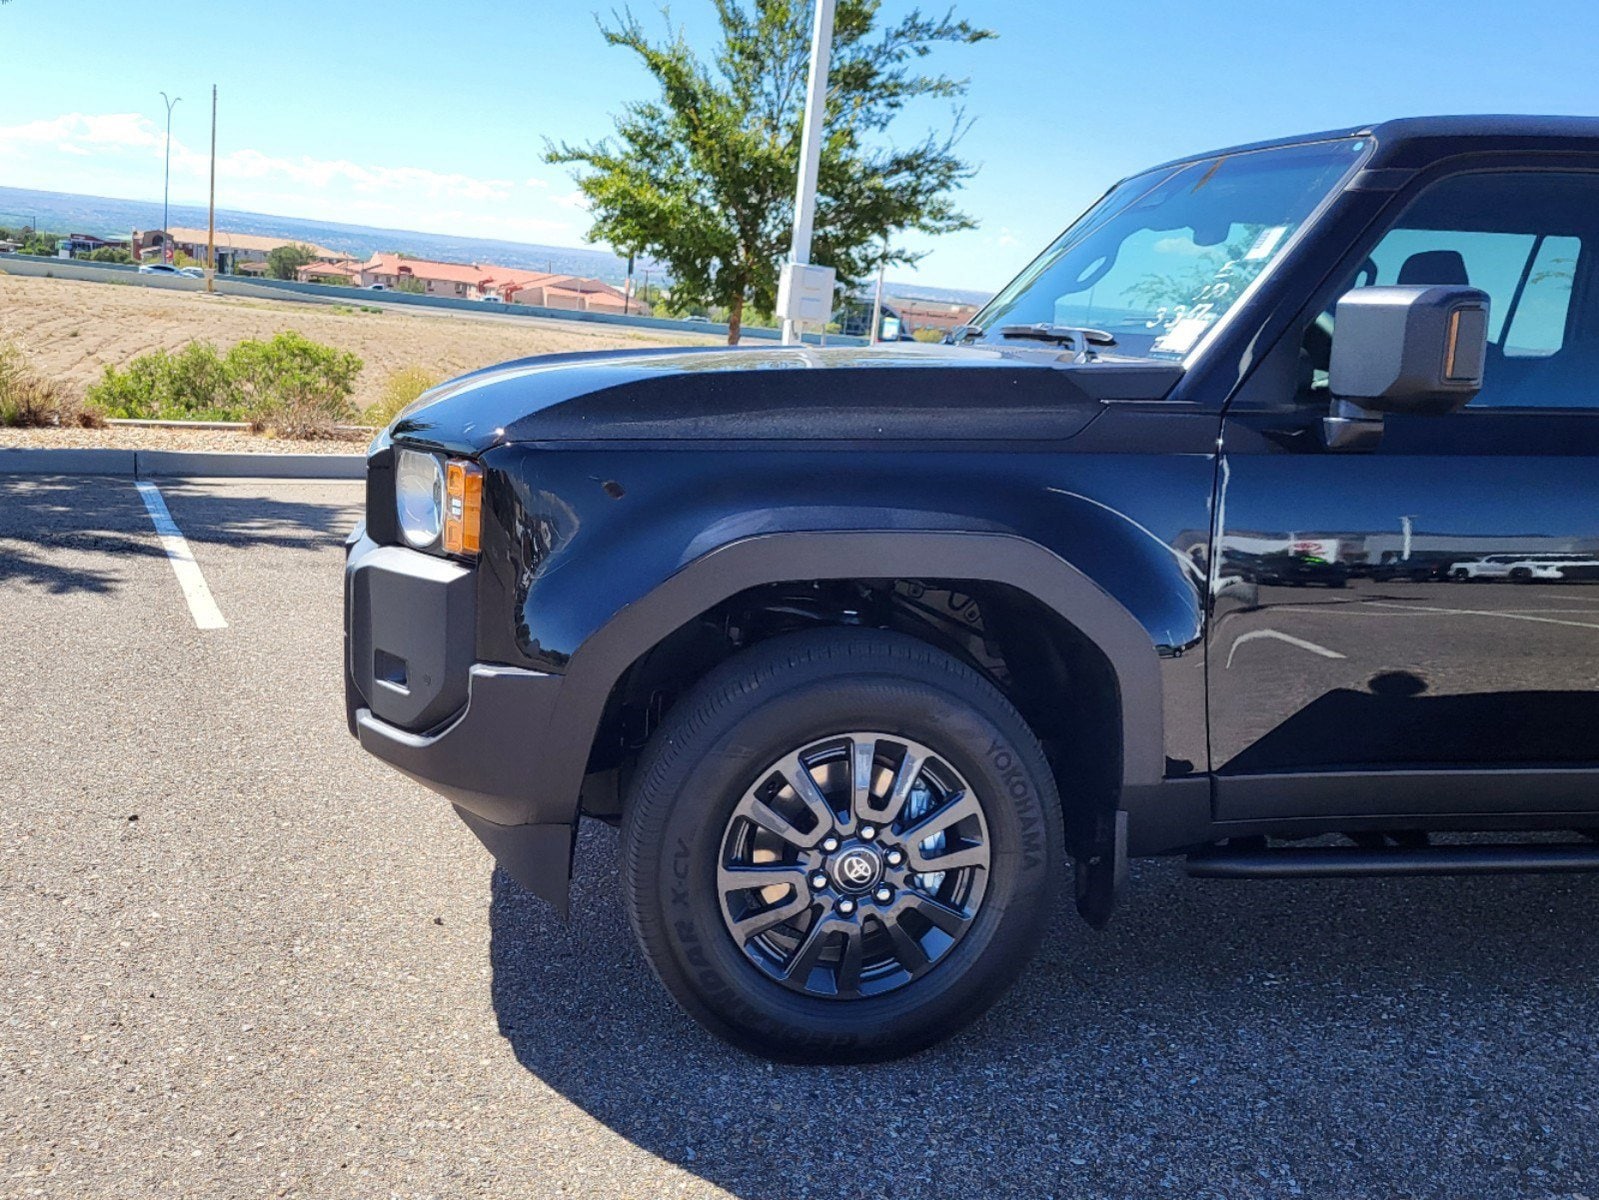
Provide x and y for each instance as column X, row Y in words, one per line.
column 192, row 272
column 1502, row 566
column 158, row 268
column 1300, row 570
column 492, row 298
column 377, row 287
column 1554, row 568
column 869, row 660
column 697, row 319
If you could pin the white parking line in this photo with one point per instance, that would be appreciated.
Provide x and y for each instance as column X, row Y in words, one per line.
column 201, row 606
column 1476, row 612
column 1301, row 643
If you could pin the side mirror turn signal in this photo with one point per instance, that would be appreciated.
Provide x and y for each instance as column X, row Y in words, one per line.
column 1403, row 350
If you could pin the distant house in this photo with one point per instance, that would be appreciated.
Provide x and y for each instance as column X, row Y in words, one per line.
column 87, row 243
column 461, row 280
column 347, row 273
column 244, row 253
column 575, row 293
column 932, row 314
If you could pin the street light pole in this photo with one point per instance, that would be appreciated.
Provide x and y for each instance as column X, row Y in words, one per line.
column 877, row 300
column 211, row 217
column 811, row 147
column 166, row 186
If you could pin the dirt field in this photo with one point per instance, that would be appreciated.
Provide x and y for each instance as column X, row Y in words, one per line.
column 72, row 330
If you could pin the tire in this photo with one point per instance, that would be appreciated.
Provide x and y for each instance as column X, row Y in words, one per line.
column 688, row 816
column 1460, row 575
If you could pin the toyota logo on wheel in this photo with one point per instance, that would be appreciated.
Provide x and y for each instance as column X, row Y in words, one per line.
column 857, row 869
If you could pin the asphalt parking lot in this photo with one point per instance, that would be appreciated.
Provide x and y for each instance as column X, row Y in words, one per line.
column 238, row 958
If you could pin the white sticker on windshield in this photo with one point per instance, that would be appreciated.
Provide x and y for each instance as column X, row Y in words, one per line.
column 1266, row 242
column 1180, row 338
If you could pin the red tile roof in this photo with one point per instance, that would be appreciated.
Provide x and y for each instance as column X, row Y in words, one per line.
column 422, row 268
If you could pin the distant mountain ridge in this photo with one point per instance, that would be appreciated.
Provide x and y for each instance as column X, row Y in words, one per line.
column 66, row 212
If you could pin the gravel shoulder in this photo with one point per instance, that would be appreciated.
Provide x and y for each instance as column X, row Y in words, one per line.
column 71, row 330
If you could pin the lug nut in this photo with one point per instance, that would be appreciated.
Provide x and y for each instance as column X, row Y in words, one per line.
column 895, row 857
column 830, row 844
column 818, row 880
column 868, row 832
column 846, row 907
column 883, row 895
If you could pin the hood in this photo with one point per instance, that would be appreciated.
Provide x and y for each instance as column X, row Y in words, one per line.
column 905, row 391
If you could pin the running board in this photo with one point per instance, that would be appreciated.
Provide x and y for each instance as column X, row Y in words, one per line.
column 1347, row 862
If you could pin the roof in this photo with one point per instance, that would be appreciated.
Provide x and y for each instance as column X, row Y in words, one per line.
column 347, row 267
column 515, row 278
column 248, row 241
column 1420, row 137
column 423, row 268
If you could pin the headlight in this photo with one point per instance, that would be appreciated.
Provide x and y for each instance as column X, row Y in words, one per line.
column 419, row 498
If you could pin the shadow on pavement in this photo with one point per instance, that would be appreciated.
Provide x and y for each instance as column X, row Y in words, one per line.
column 1388, row 1038
column 41, row 516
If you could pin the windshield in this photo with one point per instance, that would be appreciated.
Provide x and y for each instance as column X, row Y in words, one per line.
column 1164, row 254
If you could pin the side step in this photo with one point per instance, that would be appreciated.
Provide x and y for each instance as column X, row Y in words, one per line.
column 1348, row 862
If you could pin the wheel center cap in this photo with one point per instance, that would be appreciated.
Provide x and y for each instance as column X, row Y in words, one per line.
column 856, row 869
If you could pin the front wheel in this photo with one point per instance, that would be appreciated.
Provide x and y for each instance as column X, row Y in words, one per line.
column 840, row 846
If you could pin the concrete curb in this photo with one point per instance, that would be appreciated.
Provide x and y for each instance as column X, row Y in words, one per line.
column 140, row 464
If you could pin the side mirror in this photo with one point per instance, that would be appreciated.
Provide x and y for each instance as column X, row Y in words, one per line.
column 1408, row 349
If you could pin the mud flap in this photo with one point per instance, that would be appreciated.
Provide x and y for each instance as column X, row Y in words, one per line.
column 539, row 857
column 1102, row 875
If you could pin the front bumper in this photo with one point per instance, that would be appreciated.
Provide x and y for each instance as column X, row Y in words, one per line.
column 476, row 733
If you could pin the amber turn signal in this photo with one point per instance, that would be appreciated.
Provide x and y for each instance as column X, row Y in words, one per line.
column 463, row 508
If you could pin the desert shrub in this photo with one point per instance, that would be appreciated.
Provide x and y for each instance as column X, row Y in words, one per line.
column 28, row 399
column 293, row 386
column 289, row 384
column 399, row 390
column 194, row 384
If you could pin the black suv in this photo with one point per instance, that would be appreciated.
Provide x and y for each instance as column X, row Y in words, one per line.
column 863, row 646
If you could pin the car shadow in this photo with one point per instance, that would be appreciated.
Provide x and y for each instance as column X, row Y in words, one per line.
column 43, row 516
column 1220, row 1039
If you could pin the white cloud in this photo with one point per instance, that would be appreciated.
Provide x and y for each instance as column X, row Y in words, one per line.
column 1181, row 246
column 96, row 151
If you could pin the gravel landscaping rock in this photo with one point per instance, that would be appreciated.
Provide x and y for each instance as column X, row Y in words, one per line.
column 124, row 437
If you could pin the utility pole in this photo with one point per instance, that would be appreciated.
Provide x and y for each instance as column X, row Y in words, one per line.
column 166, row 187
column 811, row 147
column 211, row 228
column 877, row 302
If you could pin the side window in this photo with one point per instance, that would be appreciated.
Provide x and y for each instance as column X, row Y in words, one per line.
column 1527, row 239
column 1537, row 326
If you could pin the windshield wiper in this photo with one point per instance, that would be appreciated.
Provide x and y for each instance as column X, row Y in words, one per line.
column 1080, row 341
column 1070, row 335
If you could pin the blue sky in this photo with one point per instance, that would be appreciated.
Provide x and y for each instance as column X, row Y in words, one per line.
column 433, row 116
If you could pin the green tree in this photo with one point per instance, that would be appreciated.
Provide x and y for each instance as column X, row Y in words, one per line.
column 286, row 260
column 44, row 245
column 110, row 254
column 702, row 178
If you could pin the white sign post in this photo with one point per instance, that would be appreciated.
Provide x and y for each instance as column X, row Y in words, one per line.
column 810, row 164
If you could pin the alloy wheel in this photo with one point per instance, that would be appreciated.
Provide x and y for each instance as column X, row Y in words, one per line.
column 853, row 865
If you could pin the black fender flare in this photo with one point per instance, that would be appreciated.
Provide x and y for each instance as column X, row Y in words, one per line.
column 599, row 663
